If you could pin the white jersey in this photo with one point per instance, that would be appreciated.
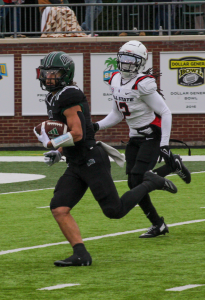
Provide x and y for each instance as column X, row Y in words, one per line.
column 137, row 101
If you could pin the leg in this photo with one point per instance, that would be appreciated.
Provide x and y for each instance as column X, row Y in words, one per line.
column 67, row 225
column 140, row 159
column 102, row 186
column 199, row 20
column 98, row 9
column 69, row 190
column 180, row 170
column 87, row 24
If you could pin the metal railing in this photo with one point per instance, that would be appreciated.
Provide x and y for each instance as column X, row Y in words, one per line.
column 178, row 17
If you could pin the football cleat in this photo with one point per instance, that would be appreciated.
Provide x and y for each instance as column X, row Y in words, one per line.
column 181, row 170
column 159, row 183
column 156, row 230
column 75, row 260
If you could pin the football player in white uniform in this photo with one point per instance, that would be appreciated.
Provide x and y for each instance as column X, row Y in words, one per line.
column 136, row 99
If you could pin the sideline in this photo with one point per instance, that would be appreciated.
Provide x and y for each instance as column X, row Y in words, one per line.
column 96, row 237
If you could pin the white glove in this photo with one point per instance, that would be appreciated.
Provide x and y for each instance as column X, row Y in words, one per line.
column 43, row 138
column 52, row 157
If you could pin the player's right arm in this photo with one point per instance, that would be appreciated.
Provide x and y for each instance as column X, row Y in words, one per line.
column 113, row 118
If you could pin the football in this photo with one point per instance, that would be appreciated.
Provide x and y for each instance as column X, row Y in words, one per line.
column 52, row 128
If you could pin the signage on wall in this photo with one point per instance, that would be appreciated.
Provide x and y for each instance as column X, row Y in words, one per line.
column 103, row 65
column 33, row 97
column 186, row 71
column 7, row 85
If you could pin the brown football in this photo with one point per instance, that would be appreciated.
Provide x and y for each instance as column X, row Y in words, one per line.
column 52, row 128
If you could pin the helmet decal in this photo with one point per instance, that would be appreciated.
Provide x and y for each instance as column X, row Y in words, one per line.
column 64, row 59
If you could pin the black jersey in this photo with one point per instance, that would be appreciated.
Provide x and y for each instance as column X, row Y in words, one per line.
column 67, row 97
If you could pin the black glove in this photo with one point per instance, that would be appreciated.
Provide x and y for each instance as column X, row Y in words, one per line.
column 166, row 153
column 96, row 127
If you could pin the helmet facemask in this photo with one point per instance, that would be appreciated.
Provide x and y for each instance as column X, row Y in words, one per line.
column 56, row 71
column 130, row 65
column 52, row 79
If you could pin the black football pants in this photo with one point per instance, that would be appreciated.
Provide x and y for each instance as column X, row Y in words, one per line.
column 95, row 174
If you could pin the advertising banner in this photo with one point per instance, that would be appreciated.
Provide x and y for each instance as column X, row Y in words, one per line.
column 102, row 67
column 182, row 81
column 32, row 95
column 7, row 85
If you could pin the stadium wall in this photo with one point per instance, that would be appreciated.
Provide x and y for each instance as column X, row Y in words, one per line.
column 17, row 131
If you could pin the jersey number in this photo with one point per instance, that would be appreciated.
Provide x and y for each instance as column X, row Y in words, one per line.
column 123, row 107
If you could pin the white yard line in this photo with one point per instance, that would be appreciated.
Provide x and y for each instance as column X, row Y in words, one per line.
column 54, row 187
column 96, row 237
column 185, row 287
column 59, row 286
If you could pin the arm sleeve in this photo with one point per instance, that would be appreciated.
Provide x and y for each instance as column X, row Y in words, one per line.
column 156, row 102
column 113, row 118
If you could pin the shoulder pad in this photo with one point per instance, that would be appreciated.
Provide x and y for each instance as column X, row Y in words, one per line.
column 139, row 79
column 146, row 84
column 113, row 74
column 70, row 96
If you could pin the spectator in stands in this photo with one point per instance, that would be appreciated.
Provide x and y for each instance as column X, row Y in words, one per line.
column 4, row 11
column 47, row 2
column 60, row 20
column 126, row 18
column 161, row 17
column 199, row 20
column 86, row 25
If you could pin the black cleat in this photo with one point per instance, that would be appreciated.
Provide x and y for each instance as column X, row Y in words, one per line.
column 75, row 260
column 159, row 183
column 156, row 230
column 181, row 170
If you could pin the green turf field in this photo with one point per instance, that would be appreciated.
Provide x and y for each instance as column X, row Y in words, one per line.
column 124, row 266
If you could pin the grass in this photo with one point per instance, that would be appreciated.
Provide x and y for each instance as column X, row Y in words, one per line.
column 124, row 266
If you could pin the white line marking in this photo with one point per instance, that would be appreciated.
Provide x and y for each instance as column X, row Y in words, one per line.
column 52, row 188
column 185, row 287
column 59, row 286
column 43, row 207
column 28, row 191
column 95, row 237
column 202, row 207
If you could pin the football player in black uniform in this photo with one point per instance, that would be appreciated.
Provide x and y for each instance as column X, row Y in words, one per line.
column 88, row 163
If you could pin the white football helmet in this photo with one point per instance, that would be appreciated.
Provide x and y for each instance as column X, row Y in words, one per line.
column 131, row 59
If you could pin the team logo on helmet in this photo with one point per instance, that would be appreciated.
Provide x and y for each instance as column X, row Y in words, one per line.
column 65, row 59
column 190, row 70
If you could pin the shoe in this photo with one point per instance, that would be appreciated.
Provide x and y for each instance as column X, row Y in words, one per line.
column 21, row 36
column 75, row 260
column 142, row 33
column 159, row 183
column 156, row 230
column 181, row 170
column 123, row 34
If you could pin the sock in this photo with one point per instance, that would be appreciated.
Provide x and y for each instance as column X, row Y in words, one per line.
column 149, row 210
column 79, row 249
